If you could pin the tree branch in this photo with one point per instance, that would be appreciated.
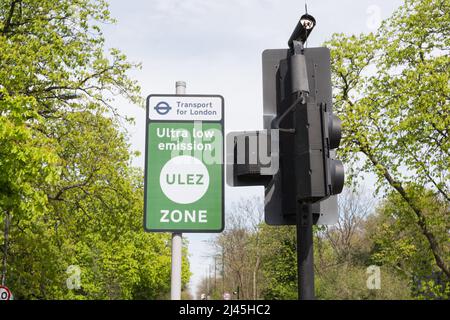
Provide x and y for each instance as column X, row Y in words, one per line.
column 422, row 223
column 10, row 16
column 77, row 185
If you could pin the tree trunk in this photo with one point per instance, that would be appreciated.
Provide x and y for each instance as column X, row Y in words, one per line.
column 5, row 247
column 255, row 275
column 8, row 20
column 241, row 288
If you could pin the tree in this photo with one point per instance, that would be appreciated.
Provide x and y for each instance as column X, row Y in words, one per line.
column 342, row 254
column 346, row 236
column 400, row 244
column 251, row 211
column 392, row 92
column 279, row 251
column 68, row 193
column 24, row 163
column 239, row 249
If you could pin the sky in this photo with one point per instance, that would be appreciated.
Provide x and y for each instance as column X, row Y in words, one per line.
column 215, row 46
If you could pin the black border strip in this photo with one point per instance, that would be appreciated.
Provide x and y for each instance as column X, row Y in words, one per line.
column 147, row 122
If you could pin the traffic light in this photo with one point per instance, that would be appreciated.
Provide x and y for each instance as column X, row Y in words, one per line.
column 301, row 132
column 317, row 132
column 308, row 135
column 299, row 137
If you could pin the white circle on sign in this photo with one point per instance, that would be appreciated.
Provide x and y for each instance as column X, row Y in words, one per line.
column 184, row 179
column 5, row 294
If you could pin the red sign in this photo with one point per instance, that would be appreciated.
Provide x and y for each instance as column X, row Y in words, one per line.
column 5, row 293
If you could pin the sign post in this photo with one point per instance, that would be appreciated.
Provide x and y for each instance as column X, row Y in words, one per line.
column 177, row 238
column 184, row 171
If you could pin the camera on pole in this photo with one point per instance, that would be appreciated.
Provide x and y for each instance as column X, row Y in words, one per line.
column 295, row 77
column 294, row 156
column 301, row 32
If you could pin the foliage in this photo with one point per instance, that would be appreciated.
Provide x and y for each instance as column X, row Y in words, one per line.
column 68, row 192
column 392, row 92
column 342, row 255
column 399, row 243
column 27, row 158
column 238, row 250
column 279, row 262
column 349, row 282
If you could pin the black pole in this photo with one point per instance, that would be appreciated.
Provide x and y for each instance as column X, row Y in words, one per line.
column 305, row 253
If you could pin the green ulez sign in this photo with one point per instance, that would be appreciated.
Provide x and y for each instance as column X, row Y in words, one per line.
column 184, row 173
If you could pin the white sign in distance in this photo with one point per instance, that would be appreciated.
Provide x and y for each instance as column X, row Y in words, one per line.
column 188, row 108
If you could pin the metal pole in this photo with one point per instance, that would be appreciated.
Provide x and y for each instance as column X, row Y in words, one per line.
column 180, row 87
column 215, row 272
column 177, row 238
column 305, row 253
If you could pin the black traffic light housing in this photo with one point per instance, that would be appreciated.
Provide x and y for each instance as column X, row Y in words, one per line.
column 303, row 172
column 317, row 130
column 318, row 137
column 298, row 108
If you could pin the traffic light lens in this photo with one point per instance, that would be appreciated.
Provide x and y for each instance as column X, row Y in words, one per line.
column 308, row 22
column 337, row 176
column 334, row 131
